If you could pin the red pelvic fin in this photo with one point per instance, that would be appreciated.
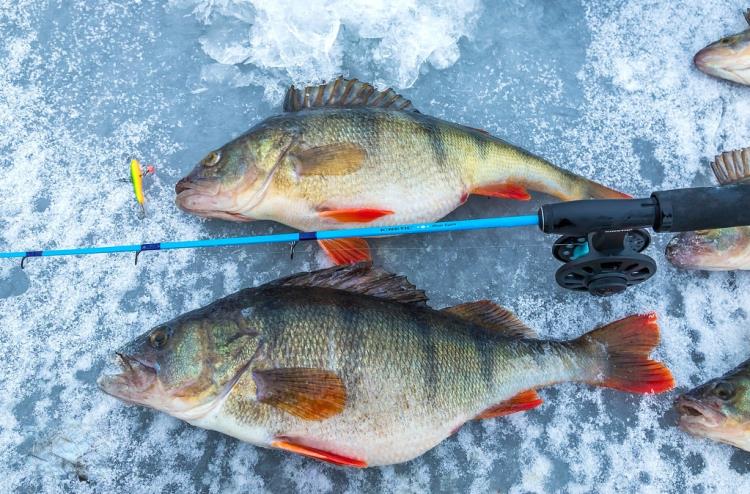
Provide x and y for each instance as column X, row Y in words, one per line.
column 288, row 444
column 355, row 215
column 346, row 250
column 525, row 400
column 627, row 344
column 503, row 191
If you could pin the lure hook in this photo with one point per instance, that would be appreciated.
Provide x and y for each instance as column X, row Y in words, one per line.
column 292, row 245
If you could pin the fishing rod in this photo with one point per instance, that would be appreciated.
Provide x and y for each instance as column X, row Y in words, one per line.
column 601, row 244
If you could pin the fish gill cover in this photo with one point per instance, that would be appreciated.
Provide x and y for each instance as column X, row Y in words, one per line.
column 604, row 88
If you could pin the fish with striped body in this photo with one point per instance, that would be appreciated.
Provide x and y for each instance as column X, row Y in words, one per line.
column 350, row 366
column 344, row 155
column 719, row 249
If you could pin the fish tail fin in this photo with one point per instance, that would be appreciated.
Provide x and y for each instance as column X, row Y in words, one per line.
column 624, row 346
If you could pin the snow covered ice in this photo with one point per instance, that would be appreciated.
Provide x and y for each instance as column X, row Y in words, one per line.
column 604, row 88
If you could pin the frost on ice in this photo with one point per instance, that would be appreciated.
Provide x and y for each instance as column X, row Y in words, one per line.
column 606, row 89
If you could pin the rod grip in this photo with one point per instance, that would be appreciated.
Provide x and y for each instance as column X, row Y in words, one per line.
column 582, row 217
column 702, row 208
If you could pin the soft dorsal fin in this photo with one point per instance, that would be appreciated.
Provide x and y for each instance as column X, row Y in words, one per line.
column 492, row 317
column 359, row 278
column 344, row 93
column 732, row 166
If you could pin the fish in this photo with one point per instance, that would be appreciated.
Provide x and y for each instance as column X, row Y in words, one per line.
column 345, row 155
column 719, row 249
column 719, row 409
column 351, row 366
column 728, row 58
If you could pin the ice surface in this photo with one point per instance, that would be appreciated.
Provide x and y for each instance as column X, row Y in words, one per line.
column 605, row 88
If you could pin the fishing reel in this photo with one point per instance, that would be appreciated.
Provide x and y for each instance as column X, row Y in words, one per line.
column 603, row 263
column 603, row 240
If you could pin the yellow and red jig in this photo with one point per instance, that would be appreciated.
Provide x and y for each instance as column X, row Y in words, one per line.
column 136, row 178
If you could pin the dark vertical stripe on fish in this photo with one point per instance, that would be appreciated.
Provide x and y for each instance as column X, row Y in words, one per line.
column 429, row 360
column 481, row 144
column 437, row 143
column 486, row 360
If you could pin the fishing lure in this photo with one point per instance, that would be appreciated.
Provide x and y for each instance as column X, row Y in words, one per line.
column 136, row 178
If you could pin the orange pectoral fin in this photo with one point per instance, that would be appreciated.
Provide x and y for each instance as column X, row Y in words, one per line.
column 525, row 400
column 355, row 215
column 346, row 250
column 503, row 191
column 288, row 445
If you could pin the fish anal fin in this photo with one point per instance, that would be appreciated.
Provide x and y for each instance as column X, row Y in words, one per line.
column 289, row 444
column 331, row 159
column 346, row 250
column 492, row 317
column 360, row 278
column 307, row 393
column 732, row 166
column 344, row 93
column 355, row 215
column 525, row 400
column 503, row 191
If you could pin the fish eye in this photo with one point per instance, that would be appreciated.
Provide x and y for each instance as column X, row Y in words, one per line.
column 724, row 390
column 158, row 338
column 211, row 159
column 725, row 41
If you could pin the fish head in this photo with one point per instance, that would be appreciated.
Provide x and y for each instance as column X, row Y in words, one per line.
column 186, row 366
column 230, row 181
column 728, row 58
column 720, row 249
column 719, row 409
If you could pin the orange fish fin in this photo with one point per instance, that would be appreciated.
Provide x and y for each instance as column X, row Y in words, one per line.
column 310, row 394
column 503, row 191
column 355, row 215
column 492, row 317
column 288, row 444
column 346, row 250
column 330, row 159
column 626, row 344
column 525, row 400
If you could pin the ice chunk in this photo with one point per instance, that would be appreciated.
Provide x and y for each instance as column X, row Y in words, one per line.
column 308, row 44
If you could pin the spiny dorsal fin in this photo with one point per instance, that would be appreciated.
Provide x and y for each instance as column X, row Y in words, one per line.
column 732, row 166
column 359, row 278
column 492, row 317
column 747, row 16
column 344, row 93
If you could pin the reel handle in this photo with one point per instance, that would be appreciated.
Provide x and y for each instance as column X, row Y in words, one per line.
column 678, row 210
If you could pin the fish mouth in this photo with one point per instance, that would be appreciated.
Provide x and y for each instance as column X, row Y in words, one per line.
column 724, row 63
column 689, row 252
column 203, row 200
column 698, row 417
column 134, row 384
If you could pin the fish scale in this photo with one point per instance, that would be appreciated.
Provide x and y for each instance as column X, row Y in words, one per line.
column 349, row 365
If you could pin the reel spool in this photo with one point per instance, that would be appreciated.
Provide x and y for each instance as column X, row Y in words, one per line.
column 603, row 263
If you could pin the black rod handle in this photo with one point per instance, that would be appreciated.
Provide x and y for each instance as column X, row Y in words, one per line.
column 678, row 210
column 582, row 217
column 703, row 208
